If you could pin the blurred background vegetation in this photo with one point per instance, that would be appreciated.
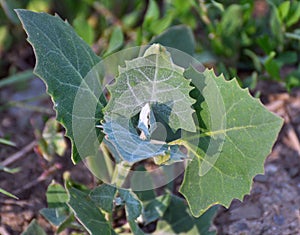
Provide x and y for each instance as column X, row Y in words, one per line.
column 250, row 40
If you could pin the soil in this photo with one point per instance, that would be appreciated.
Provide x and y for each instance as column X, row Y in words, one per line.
column 272, row 207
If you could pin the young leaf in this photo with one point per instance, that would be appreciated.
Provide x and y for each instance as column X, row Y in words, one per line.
column 153, row 79
column 237, row 133
column 88, row 213
column 127, row 143
column 63, row 61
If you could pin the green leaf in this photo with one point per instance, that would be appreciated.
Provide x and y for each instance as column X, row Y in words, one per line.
column 88, row 213
column 103, row 196
column 287, row 57
column 218, row 5
column 68, row 223
column 63, row 61
column 8, row 6
column 151, row 14
column 57, row 212
column 178, row 220
column 272, row 66
column 53, row 142
column 266, row 43
column 84, row 29
column 7, row 193
column 156, row 80
column 179, row 37
column 133, row 206
column 159, row 25
column 55, row 216
column 294, row 14
column 293, row 80
column 127, row 143
column 56, row 196
column 236, row 134
column 34, row 229
column 133, row 209
column 7, row 142
column 39, row 6
column 156, row 208
column 283, row 9
column 116, row 40
column 148, row 84
column 276, row 25
column 255, row 59
column 9, row 170
column 228, row 25
column 135, row 229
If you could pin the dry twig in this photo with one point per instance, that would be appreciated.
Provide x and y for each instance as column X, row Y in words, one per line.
column 18, row 155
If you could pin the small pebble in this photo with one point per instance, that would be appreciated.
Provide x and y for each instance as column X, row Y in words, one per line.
column 242, row 226
column 270, row 168
column 278, row 219
column 261, row 178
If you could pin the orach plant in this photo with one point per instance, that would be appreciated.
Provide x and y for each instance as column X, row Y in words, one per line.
column 156, row 113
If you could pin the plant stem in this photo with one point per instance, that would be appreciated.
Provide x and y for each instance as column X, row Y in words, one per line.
column 19, row 77
column 120, row 174
column 108, row 162
column 20, row 104
column 18, row 155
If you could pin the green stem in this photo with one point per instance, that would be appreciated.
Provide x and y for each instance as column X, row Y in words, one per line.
column 108, row 162
column 120, row 174
column 19, row 77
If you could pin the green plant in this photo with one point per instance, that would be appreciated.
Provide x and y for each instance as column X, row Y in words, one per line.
column 215, row 126
column 264, row 39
